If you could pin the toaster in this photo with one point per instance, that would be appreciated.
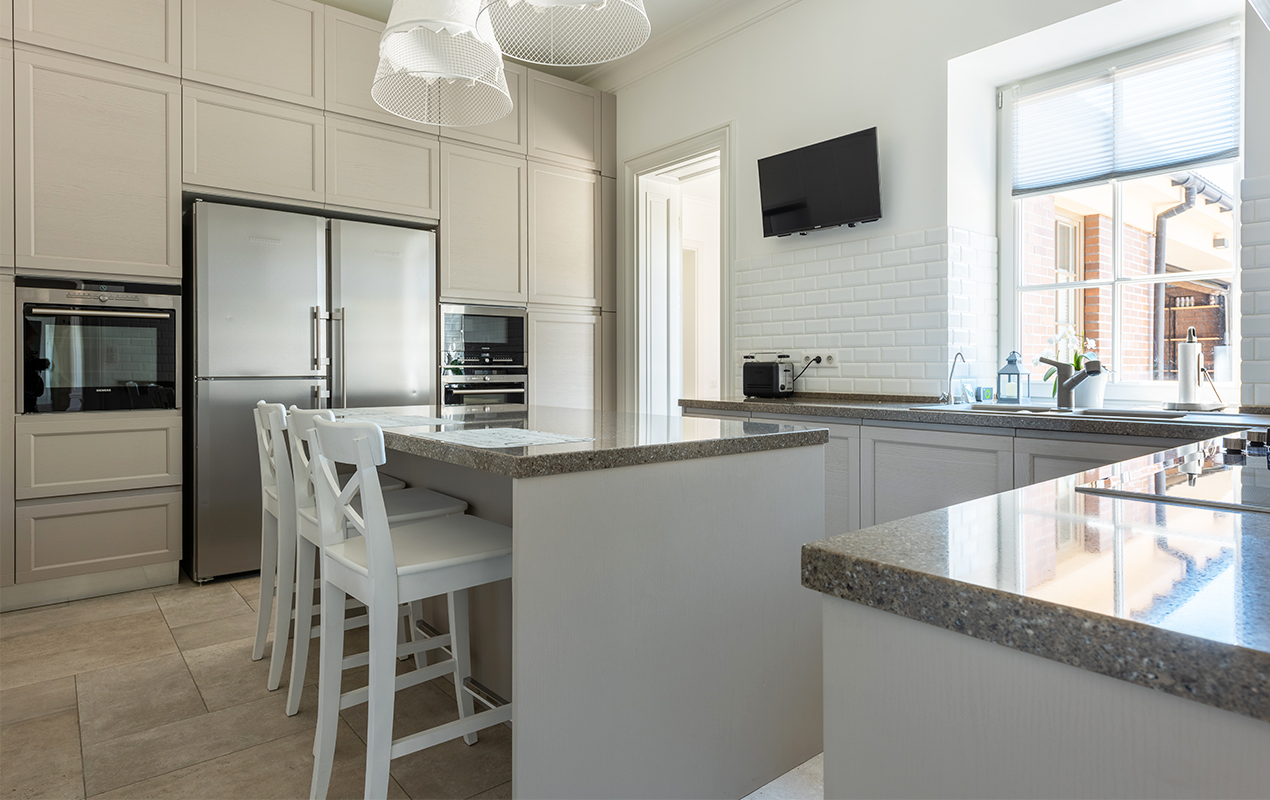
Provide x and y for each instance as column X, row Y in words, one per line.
column 767, row 378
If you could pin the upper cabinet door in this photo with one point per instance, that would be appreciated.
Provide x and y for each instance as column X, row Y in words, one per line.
column 564, row 121
column 6, row 19
column 386, row 169
column 484, row 226
column 510, row 133
column 98, row 155
column 6, row 164
column 564, row 236
column 271, row 48
column 352, row 55
column 136, row 33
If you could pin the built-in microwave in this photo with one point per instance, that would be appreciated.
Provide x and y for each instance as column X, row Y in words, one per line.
column 96, row 345
column 483, row 355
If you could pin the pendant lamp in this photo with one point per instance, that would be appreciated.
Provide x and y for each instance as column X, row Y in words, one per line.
column 567, row 33
column 439, row 65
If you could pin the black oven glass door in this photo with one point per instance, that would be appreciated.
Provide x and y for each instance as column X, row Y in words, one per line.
column 97, row 359
column 484, row 338
column 484, row 394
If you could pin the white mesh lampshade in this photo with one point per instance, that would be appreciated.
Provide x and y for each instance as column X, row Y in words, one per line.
column 567, row 33
column 439, row 65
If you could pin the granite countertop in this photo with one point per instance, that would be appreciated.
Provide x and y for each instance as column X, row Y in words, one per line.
column 901, row 409
column 610, row 439
column 1171, row 597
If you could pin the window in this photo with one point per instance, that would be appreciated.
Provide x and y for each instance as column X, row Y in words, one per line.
column 1120, row 181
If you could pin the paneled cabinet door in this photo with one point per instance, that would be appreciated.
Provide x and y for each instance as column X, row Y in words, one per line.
column 907, row 471
column 510, row 133
column 484, row 225
column 564, row 360
column 382, row 168
column 1037, row 460
column 106, row 196
column 248, row 144
column 564, row 121
column 145, row 35
column 271, row 48
column 6, row 164
column 7, row 401
column 6, row 19
column 564, row 236
column 842, row 473
column 352, row 55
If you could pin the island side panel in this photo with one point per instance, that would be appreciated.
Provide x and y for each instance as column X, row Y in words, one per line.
column 912, row 710
column 663, row 644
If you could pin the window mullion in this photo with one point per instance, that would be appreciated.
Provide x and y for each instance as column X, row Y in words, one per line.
column 1117, row 272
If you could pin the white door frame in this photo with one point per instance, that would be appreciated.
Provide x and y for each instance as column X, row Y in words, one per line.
column 632, row 351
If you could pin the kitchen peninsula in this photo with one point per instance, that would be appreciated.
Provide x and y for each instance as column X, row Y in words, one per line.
column 660, row 642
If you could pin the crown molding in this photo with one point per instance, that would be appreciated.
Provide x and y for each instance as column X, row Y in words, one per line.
column 714, row 24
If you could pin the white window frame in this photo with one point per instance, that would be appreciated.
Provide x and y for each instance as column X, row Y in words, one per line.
column 1009, row 224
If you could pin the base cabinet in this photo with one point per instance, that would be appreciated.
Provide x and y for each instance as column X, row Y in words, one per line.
column 94, row 533
column 842, row 473
column 7, row 401
column 72, row 454
column 1037, row 460
column 564, row 351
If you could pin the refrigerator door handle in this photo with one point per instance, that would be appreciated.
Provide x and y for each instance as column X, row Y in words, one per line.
column 340, row 315
column 317, row 335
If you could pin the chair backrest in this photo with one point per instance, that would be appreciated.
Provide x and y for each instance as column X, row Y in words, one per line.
column 264, row 444
column 271, row 423
column 362, row 445
column 300, row 426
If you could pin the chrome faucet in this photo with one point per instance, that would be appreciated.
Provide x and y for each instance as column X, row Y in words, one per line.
column 952, row 398
column 1068, row 378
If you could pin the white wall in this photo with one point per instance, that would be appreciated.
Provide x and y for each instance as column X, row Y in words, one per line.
column 700, row 199
column 1255, row 216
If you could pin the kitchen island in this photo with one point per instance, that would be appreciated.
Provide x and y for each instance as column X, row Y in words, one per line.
column 654, row 637
column 1093, row 635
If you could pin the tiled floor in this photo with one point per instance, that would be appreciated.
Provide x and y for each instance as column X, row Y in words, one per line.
column 154, row 694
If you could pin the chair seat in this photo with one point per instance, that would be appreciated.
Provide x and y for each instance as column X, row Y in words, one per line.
column 405, row 505
column 433, row 544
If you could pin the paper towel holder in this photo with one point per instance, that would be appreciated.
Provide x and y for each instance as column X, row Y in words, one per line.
column 1199, row 374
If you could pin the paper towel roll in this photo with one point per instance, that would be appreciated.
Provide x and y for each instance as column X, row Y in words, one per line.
column 1188, row 360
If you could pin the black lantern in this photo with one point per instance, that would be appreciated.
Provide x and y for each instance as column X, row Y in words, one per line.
column 1013, row 384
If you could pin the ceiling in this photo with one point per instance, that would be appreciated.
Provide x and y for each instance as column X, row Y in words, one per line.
column 664, row 15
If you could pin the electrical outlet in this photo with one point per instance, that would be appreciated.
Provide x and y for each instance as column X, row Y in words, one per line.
column 826, row 360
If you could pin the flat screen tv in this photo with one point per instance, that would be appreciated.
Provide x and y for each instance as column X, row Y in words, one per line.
column 821, row 185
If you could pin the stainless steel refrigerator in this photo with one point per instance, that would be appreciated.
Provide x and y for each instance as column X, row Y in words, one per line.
column 293, row 309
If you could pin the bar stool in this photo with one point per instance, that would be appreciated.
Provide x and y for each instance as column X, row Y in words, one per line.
column 383, row 568
column 406, row 505
column 277, row 534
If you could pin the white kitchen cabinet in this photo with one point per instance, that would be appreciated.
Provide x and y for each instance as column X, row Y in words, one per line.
column 6, row 164
column 564, row 236
column 145, row 34
column 69, row 454
column 842, row 472
column 608, row 244
column 6, row 19
column 907, row 471
column 484, row 225
column 564, row 359
column 352, row 56
column 249, row 144
column 96, row 533
column 564, row 121
column 608, row 135
column 272, row 48
column 510, row 133
column 381, row 168
column 1043, row 459
column 8, row 399
column 608, row 361
column 97, row 168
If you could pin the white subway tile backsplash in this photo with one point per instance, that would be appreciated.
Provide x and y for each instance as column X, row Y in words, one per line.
column 912, row 239
column 881, row 244
column 881, row 307
column 936, row 235
column 882, row 370
column 816, row 326
column 856, row 248
column 782, row 259
column 927, row 253
column 871, row 261
column 896, row 289
column 828, row 251
column 895, row 258
column 817, row 268
column 872, row 292
column 803, row 256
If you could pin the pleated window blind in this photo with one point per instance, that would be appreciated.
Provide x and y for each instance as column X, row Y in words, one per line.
column 1168, row 112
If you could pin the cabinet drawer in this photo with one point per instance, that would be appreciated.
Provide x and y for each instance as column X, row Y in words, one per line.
column 251, row 145
column 146, row 35
column 55, row 458
column 58, row 539
column 381, row 168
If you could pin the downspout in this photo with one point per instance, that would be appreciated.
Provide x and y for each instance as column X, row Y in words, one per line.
column 1195, row 187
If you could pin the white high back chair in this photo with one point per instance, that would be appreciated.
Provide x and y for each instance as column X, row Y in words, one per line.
column 404, row 505
column 383, row 568
column 277, row 526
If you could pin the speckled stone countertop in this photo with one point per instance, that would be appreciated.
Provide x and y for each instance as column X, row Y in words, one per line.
column 617, row 440
column 1171, row 597
column 896, row 409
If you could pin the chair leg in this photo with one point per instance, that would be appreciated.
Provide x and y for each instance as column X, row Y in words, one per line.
column 381, row 691
column 457, row 601
column 304, row 558
column 282, row 602
column 268, row 570
column 416, row 614
column 330, row 672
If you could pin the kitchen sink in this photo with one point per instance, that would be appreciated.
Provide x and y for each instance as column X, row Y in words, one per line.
column 1006, row 408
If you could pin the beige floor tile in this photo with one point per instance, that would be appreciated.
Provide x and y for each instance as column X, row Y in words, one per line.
column 70, row 650
column 449, row 770
column 200, row 604
column 37, row 620
column 249, row 588
column 140, row 756
column 227, row 676
column 503, row 791
column 805, row 782
column 278, row 769
column 36, row 700
column 216, row 631
column 41, row 758
column 121, row 700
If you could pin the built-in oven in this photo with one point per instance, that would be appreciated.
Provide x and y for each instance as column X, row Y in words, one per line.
column 96, row 345
column 483, row 356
